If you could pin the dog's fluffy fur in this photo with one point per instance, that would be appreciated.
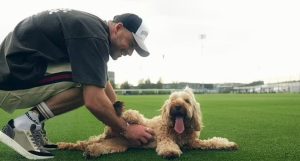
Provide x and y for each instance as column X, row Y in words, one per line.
column 178, row 126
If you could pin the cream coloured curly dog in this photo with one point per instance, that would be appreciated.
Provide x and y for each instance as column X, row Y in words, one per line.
column 178, row 126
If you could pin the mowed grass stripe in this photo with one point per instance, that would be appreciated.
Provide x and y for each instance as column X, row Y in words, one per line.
column 266, row 127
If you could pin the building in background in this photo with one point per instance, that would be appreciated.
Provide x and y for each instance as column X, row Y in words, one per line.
column 111, row 76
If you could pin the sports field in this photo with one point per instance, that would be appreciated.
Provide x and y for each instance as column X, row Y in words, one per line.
column 265, row 126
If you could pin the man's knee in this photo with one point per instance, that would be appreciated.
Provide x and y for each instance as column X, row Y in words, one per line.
column 11, row 100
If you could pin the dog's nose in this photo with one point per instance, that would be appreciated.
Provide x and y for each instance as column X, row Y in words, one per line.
column 177, row 108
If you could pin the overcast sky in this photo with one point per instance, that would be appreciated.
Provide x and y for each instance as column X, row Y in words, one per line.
column 205, row 41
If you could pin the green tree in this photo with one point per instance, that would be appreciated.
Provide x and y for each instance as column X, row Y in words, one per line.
column 159, row 84
column 125, row 85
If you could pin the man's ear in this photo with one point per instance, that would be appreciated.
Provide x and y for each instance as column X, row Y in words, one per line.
column 118, row 26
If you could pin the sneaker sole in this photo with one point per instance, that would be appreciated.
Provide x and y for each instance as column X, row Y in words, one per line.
column 19, row 149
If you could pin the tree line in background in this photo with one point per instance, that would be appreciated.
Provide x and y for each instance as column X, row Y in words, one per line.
column 147, row 84
column 253, row 87
column 143, row 84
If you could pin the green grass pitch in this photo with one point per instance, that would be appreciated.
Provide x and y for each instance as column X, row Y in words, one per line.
column 265, row 126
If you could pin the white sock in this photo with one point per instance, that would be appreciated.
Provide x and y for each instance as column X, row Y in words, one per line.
column 44, row 110
column 25, row 121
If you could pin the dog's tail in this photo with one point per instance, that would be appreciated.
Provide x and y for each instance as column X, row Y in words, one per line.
column 80, row 145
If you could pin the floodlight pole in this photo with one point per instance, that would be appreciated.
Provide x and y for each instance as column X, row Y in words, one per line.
column 202, row 37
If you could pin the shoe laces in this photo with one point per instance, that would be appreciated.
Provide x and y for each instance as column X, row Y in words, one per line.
column 36, row 137
column 44, row 135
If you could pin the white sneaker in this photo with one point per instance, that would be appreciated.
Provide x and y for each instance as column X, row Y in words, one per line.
column 25, row 142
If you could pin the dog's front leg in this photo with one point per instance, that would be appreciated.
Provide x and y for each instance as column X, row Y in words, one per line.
column 215, row 143
column 111, row 145
column 167, row 148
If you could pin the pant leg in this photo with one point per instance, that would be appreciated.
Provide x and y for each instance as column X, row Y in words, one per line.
column 26, row 98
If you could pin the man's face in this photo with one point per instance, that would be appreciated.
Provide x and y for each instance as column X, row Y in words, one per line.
column 122, row 42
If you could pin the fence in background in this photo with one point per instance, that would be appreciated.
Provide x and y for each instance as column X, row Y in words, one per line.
column 285, row 87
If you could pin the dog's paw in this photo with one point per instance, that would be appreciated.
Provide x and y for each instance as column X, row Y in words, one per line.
column 232, row 146
column 169, row 153
column 223, row 144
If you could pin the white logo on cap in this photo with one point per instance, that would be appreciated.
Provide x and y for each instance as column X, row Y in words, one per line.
column 139, row 36
column 145, row 33
column 142, row 31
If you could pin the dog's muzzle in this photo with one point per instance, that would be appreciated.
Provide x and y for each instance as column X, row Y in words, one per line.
column 178, row 113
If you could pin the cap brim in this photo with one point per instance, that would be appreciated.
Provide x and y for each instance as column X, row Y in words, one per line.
column 140, row 48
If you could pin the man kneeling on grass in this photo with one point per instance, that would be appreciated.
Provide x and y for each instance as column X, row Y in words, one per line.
column 56, row 61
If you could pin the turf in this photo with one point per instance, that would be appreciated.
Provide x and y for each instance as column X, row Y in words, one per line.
column 266, row 127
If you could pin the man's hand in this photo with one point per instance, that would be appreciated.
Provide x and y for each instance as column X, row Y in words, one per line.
column 96, row 100
column 138, row 134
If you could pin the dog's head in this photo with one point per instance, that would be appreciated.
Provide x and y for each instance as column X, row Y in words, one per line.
column 181, row 111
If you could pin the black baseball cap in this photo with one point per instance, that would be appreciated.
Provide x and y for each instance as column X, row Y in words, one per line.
column 135, row 25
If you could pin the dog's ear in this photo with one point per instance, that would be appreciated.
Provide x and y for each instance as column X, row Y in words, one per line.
column 165, row 110
column 197, row 118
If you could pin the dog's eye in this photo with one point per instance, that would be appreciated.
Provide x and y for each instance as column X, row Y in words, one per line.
column 187, row 101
